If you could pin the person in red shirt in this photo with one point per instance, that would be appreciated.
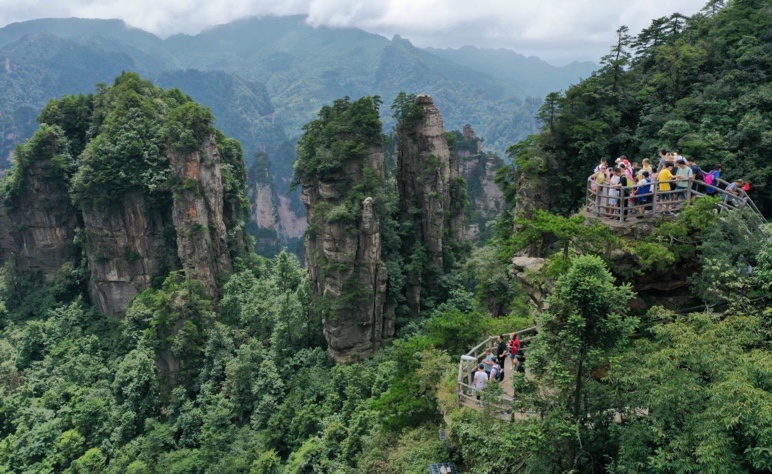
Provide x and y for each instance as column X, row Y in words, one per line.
column 514, row 346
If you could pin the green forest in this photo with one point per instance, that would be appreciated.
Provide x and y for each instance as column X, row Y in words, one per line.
column 622, row 378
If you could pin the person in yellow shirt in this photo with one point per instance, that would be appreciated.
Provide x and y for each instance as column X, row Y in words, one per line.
column 664, row 178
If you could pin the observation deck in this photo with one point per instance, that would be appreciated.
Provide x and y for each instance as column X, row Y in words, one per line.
column 623, row 203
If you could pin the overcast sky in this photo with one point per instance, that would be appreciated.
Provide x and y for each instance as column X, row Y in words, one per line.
column 551, row 29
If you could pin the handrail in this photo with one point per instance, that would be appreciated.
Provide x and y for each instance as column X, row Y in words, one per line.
column 621, row 203
column 469, row 361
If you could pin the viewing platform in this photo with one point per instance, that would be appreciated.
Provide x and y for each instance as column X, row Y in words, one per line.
column 467, row 394
column 616, row 203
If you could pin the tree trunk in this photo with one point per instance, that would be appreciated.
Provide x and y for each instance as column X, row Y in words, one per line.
column 572, row 447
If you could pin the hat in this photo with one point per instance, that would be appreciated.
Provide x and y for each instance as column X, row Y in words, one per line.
column 681, row 161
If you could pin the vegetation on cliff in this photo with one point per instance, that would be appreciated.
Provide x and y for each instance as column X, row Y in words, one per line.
column 699, row 83
column 616, row 382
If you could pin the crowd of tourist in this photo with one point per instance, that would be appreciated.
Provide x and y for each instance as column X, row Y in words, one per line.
column 629, row 188
column 492, row 367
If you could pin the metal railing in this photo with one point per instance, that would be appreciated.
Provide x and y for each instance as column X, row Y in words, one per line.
column 468, row 363
column 621, row 203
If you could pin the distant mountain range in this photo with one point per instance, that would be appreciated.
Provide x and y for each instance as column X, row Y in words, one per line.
column 265, row 77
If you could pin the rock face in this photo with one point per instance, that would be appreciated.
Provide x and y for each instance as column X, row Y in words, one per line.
column 129, row 242
column 344, row 264
column 7, row 243
column 275, row 223
column 40, row 227
column 486, row 199
column 263, row 208
column 126, row 247
column 430, row 196
column 263, row 205
column 197, row 212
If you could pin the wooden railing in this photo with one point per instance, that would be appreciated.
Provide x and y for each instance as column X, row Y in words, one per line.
column 623, row 203
column 468, row 363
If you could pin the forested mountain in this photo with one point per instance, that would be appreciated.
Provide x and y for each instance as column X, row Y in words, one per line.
column 533, row 76
column 654, row 338
column 301, row 67
column 263, row 78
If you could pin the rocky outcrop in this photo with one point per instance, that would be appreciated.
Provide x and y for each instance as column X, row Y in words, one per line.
column 197, row 212
column 264, row 212
column 430, row 195
column 131, row 243
column 41, row 222
column 486, row 199
column 7, row 244
column 263, row 205
column 274, row 223
column 290, row 225
column 126, row 247
column 344, row 263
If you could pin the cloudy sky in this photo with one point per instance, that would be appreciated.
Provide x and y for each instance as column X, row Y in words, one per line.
column 551, row 29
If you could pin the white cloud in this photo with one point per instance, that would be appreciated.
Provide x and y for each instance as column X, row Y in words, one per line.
column 544, row 27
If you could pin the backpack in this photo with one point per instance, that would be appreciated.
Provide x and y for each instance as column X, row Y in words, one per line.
column 499, row 376
column 708, row 178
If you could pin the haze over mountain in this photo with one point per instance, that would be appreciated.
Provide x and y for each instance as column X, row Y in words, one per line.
column 300, row 67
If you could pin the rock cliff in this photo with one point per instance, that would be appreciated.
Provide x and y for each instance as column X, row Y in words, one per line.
column 40, row 226
column 340, row 168
column 127, row 246
column 431, row 194
column 171, row 197
column 274, row 224
column 478, row 168
column 198, row 215
column 344, row 264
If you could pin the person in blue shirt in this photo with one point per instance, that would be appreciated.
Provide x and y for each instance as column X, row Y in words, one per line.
column 643, row 194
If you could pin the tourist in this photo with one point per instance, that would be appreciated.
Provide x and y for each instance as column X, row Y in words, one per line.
column 488, row 361
column 678, row 155
column 520, row 361
column 683, row 175
column 625, row 180
column 645, row 166
column 627, row 171
column 480, row 379
column 613, row 191
column 643, row 195
column 514, row 346
column 602, row 165
column 623, row 160
column 497, row 373
column 601, row 189
column 663, row 154
column 663, row 178
column 712, row 178
column 697, row 174
column 501, row 350
column 735, row 189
